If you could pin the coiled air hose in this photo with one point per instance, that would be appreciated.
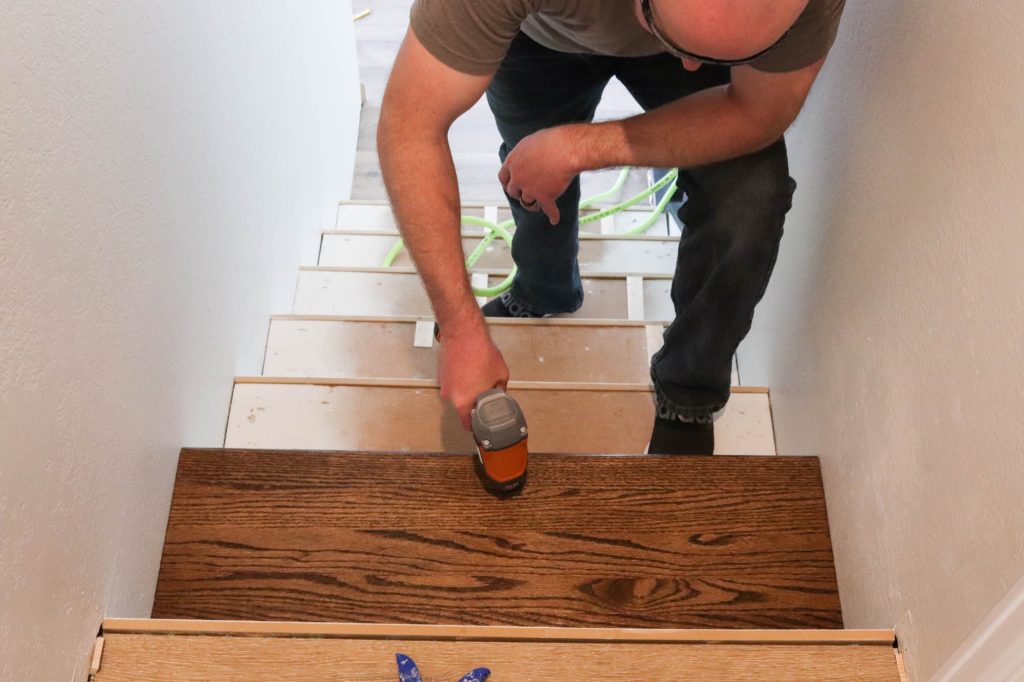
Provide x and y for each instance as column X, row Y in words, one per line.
column 504, row 229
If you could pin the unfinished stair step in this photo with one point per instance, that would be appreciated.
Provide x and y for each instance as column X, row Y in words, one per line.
column 598, row 253
column 376, row 215
column 478, row 178
column 399, row 291
column 409, row 416
column 535, row 350
column 152, row 651
column 627, row 541
column 560, row 350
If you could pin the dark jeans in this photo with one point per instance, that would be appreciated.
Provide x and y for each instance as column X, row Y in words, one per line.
column 733, row 216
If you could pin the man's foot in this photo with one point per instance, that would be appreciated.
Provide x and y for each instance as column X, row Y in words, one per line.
column 674, row 437
column 504, row 306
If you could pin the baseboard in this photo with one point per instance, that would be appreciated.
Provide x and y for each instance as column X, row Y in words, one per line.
column 994, row 651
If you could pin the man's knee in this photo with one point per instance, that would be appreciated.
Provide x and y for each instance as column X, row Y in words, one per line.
column 758, row 178
column 744, row 200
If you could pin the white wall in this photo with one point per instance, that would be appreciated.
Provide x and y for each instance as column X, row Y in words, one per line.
column 892, row 333
column 164, row 168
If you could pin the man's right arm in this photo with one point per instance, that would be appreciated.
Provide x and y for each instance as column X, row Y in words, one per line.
column 423, row 98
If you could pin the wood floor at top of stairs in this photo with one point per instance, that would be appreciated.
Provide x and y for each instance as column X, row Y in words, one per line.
column 644, row 541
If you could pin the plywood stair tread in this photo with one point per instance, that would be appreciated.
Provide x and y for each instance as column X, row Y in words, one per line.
column 385, row 415
column 603, row 541
column 399, row 291
column 473, row 231
column 545, row 352
column 597, row 253
column 151, row 651
column 478, row 177
column 376, row 215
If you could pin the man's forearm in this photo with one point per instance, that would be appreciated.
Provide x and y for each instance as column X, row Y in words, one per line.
column 705, row 127
column 420, row 178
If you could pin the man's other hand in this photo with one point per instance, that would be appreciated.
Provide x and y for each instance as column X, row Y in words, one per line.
column 538, row 170
column 469, row 364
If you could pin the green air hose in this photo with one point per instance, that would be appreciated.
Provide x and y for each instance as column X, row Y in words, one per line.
column 502, row 230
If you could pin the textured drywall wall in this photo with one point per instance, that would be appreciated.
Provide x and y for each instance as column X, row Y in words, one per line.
column 891, row 335
column 164, row 169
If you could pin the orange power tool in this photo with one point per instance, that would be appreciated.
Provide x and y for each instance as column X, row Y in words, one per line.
column 499, row 428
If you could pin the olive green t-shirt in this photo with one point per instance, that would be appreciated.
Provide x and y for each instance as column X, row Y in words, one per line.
column 472, row 36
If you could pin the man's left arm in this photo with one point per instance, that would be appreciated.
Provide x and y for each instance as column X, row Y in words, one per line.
column 712, row 125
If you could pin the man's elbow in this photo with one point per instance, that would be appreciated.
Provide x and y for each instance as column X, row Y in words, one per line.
column 777, row 127
column 767, row 126
column 403, row 126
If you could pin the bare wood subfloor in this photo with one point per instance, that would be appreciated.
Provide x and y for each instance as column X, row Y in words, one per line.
column 399, row 291
column 272, row 413
column 544, row 351
column 373, row 215
column 368, row 250
column 593, row 541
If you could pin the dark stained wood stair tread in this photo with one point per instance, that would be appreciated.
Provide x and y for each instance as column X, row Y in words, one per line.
column 619, row 541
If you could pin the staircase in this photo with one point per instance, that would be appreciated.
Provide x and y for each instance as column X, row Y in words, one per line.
column 342, row 521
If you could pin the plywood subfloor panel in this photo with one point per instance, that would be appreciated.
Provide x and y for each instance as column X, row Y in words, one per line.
column 643, row 541
column 347, row 417
column 596, row 254
column 384, row 349
column 378, row 216
column 478, row 178
column 400, row 292
column 209, row 658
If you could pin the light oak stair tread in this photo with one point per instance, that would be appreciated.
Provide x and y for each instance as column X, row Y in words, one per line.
column 399, row 291
column 325, row 414
column 595, row 254
column 234, row 656
column 628, row 541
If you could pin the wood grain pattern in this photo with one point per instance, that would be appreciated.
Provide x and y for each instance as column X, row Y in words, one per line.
column 163, row 658
column 593, row 541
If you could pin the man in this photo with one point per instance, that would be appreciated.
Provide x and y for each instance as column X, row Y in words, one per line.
column 720, row 81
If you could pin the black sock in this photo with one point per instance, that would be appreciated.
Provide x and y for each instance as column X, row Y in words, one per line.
column 674, row 437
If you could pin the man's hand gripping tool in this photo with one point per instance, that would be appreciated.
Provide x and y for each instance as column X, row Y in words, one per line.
column 499, row 429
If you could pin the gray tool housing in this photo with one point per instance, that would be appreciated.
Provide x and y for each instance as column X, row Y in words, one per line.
column 498, row 421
